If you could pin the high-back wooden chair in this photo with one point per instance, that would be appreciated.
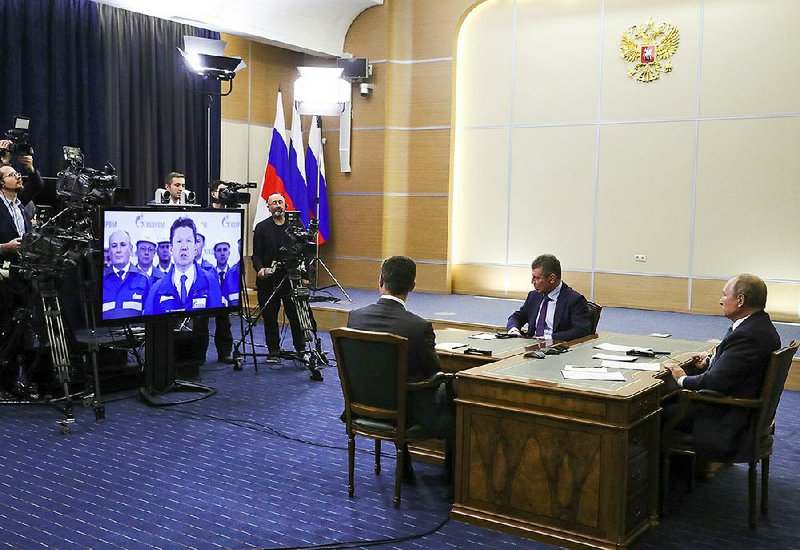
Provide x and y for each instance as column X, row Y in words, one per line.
column 594, row 315
column 759, row 444
column 373, row 371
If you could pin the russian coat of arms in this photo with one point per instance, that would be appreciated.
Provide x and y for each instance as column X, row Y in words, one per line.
column 647, row 49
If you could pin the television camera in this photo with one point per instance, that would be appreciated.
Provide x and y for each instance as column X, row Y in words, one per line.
column 232, row 195
column 297, row 244
column 89, row 186
column 18, row 136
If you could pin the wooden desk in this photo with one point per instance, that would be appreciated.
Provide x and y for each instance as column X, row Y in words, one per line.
column 571, row 463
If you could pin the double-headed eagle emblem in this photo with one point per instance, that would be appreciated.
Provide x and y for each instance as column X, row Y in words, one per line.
column 648, row 47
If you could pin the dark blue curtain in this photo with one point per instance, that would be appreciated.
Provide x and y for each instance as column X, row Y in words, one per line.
column 111, row 82
column 156, row 109
column 51, row 67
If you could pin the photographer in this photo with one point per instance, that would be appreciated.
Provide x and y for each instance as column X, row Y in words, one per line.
column 268, row 238
column 15, row 221
column 223, row 338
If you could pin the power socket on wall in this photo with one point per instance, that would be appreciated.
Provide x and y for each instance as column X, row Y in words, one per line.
column 640, row 258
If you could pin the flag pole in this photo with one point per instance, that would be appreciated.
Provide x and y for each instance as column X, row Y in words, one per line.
column 317, row 259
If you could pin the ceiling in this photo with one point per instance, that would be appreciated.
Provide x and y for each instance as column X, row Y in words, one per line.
column 312, row 26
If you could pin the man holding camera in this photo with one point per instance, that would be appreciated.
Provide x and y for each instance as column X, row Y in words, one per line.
column 268, row 238
column 15, row 221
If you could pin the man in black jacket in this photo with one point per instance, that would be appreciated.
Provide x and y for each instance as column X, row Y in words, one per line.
column 268, row 238
column 552, row 310
column 737, row 369
column 432, row 408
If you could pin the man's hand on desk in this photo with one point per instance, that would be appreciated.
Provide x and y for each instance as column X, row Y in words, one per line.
column 674, row 369
column 513, row 331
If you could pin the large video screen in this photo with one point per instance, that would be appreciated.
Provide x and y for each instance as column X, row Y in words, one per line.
column 169, row 261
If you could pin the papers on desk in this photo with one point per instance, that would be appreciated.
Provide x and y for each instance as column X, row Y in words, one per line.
column 660, row 334
column 482, row 336
column 449, row 346
column 654, row 367
column 605, row 346
column 610, row 357
column 577, row 372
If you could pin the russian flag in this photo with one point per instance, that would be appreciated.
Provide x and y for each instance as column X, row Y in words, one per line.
column 276, row 174
column 296, row 186
column 315, row 172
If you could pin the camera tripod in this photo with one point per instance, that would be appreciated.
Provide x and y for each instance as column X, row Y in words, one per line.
column 311, row 355
column 54, row 331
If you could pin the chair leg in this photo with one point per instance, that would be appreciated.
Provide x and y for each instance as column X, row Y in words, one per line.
column 751, row 500
column 398, row 474
column 351, row 459
column 377, row 456
column 764, row 485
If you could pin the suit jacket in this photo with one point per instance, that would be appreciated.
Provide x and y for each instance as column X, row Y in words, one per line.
column 389, row 316
column 737, row 369
column 8, row 231
column 570, row 321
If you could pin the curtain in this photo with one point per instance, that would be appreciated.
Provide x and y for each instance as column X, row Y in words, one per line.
column 52, row 71
column 156, row 109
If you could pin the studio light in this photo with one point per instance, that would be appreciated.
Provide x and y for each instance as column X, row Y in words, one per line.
column 205, row 57
column 321, row 91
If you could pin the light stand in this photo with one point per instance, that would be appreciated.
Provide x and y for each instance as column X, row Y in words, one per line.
column 317, row 260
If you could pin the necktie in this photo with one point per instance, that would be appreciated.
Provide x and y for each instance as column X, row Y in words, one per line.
column 183, row 288
column 121, row 275
column 540, row 322
column 221, row 277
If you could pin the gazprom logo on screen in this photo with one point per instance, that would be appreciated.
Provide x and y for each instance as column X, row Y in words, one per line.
column 231, row 222
column 141, row 222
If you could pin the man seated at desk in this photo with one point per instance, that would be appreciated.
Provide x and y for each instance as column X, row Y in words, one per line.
column 736, row 369
column 431, row 408
column 552, row 310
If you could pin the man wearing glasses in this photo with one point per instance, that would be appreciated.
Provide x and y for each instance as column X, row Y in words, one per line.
column 15, row 221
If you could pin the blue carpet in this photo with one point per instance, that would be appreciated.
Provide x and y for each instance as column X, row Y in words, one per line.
column 262, row 464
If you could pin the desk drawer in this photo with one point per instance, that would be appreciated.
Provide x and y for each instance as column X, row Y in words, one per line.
column 639, row 473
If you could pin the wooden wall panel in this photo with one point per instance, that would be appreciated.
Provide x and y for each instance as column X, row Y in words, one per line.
column 416, row 227
column 641, row 292
column 272, row 68
column 356, row 226
column 419, row 94
column 418, row 161
column 367, row 36
column 705, row 296
column 236, row 105
column 364, row 273
column 369, row 112
column 434, row 27
column 366, row 161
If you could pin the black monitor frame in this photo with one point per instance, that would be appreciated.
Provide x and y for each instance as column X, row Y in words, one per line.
column 154, row 221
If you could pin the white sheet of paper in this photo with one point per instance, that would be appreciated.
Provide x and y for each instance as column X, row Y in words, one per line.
column 654, row 367
column 482, row 336
column 605, row 346
column 586, row 374
column 450, row 346
column 660, row 334
column 584, row 368
column 610, row 357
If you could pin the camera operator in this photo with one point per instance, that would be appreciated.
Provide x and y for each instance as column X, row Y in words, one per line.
column 15, row 221
column 268, row 238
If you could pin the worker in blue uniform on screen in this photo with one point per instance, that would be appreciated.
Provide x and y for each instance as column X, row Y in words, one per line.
column 125, row 288
column 185, row 287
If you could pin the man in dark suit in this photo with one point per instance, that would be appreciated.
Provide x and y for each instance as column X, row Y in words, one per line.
column 433, row 409
column 552, row 310
column 15, row 221
column 737, row 369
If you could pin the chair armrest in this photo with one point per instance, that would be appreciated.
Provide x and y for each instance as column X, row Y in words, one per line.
column 716, row 398
column 432, row 381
